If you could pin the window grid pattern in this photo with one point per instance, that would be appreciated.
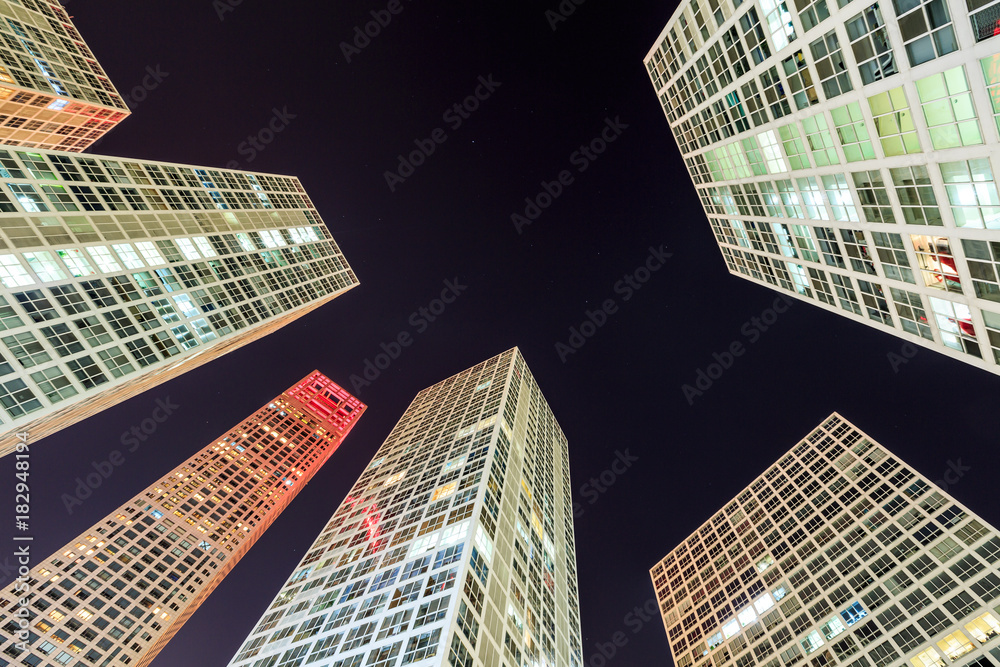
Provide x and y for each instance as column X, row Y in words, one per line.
column 134, row 577
column 417, row 548
column 838, row 554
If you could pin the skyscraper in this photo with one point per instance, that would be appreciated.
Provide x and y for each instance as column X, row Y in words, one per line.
column 53, row 92
column 117, row 275
column 120, row 591
column 455, row 546
column 839, row 554
column 847, row 154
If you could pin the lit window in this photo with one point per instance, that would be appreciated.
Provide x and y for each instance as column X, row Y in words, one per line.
column 947, row 105
column 186, row 305
column 12, row 273
column 128, row 256
column 731, row 629
column 188, row 249
column 76, row 262
column 150, row 253
column 45, row 266
column 764, row 603
column 955, row 645
column 811, row 642
column 444, row 491
column 104, row 259
column 204, row 246
column 928, row 658
column 747, row 616
column 984, row 628
column 833, row 628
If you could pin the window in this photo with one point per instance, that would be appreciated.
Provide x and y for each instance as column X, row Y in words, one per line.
column 916, row 196
column 425, row 645
column 955, row 645
column 70, row 300
column 432, row 611
column 45, row 266
column 955, row 324
column 875, row 303
column 54, row 384
column 26, row 348
column 983, row 259
column 779, row 23
column 845, row 293
column 128, row 256
column 871, row 46
column 800, row 81
column 812, row 13
column 937, row 262
column 76, row 262
column 116, row 361
column 820, row 141
column 17, row 398
column 830, row 65
column 121, row 324
column 774, row 94
column 12, row 273
column 87, row 372
column 912, row 317
column 62, row 339
column 857, row 251
column 893, row 122
column 794, row 148
column 946, row 102
column 853, row 132
column 984, row 628
column 972, row 193
column 926, row 29
column 104, row 259
column 38, row 307
column 753, row 34
column 991, row 71
column 772, row 152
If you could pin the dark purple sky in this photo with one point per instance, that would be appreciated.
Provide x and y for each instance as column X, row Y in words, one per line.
column 451, row 219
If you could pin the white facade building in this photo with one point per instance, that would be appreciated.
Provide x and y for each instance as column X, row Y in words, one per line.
column 846, row 152
column 53, row 92
column 455, row 547
column 839, row 554
column 117, row 275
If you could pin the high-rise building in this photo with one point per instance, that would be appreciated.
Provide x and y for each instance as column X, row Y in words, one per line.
column 119, row 592
column 455, row 546
column 117, row 275
column 839, row 554
column 847, row 153
column 53, row 92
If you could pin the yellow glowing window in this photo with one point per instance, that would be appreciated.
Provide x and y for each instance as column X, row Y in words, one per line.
column 56, row 615
column 5, row 75
column 444, row 491
column 928, row 658
column 984, row 628
column 955, row 645
column 395, row 478
column 84, row 613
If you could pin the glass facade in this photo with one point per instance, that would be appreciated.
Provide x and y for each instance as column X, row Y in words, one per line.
column 455, row 547
column 839, row 554
column 119, row 592
column 116, row 275
column 868, row 121
column 53, row 92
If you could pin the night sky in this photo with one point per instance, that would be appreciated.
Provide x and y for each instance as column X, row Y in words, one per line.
column 226, row 69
